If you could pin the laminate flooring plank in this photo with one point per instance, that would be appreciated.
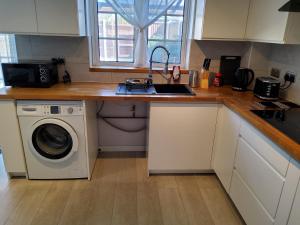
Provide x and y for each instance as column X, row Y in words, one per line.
column 10, row 197
column 30, row 203
column 193, row 202
column 148, row 204
column 219, row 205
column 105, row 178
column 76, row 211
column 173, row 211
column 125, row 205
column 53, row 205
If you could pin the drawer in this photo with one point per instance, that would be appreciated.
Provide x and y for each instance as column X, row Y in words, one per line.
column 248, row 205
column 264, row 181
column 278, row 158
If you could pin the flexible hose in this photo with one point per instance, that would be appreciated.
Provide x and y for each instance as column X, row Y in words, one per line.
column 116, row 126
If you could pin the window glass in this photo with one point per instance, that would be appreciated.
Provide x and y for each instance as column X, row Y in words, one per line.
column 167, row 31
column 116, row 35
column 107, row 25
column 8, row 51
column 157, row 29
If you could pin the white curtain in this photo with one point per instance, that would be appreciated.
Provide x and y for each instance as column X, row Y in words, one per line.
column 141, row 14
column 8, row 52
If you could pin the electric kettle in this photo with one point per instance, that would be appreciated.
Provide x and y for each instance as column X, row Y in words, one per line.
column 242, row 78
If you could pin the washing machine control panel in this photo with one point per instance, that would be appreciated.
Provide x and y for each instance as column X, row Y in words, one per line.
column 50, row 109
column 62, row 110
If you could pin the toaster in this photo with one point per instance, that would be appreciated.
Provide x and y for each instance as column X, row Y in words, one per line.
column 267, row 88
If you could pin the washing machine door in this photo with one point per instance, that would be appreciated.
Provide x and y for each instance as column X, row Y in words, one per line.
column 53, row 140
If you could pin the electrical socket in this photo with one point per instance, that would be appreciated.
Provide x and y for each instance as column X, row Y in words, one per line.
column 289, row 76
column 275, row 72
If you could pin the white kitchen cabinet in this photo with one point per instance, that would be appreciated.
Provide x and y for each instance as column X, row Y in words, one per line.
column 17, row 16
column 295, row 214
column 267, row 24
column 220, row 19
column 260, row 176
column 43, row 17
column 264, row 180
column 10, row 139
column 285, row 211
column 246, row 202
column 181, row 137
column 271, row 152
column 227, row 133
column 60, row 17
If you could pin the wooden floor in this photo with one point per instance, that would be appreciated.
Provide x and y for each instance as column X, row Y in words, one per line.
column 120, row 193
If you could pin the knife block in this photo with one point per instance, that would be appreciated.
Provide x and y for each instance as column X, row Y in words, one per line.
column 204, row 83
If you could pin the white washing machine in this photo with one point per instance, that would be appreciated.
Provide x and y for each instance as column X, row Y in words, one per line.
column 55, row 138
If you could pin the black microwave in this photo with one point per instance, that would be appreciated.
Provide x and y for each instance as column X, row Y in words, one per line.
column 30, row 74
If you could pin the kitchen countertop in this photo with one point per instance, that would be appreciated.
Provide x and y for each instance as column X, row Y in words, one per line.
column 239, row 102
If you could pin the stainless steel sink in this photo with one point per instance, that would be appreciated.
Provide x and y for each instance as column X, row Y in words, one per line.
column 156, row 89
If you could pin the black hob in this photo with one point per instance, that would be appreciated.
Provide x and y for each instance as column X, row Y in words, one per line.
column 286, row 120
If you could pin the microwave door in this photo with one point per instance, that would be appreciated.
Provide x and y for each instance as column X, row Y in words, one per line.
column 19, row 76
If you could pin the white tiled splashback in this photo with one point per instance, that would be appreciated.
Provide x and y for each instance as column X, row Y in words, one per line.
column 287, row 59
column 264, row 56
column 75, row 51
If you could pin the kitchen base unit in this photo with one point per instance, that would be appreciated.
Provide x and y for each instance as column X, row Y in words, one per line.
column 225, row 143
column 260, row 178
column 10, row 140
column 181, row 137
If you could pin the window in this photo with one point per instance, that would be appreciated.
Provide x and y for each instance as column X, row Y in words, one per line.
column 114, row 37
column 8, row 51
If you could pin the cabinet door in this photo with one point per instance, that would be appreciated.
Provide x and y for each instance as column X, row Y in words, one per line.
column 17, row 16
column 264, row 181
column 59, row 17
column 265, row 22
column 225, row 19
column 10, row 139
column 295, row 215
column 181, row 137
column 246, row 202
column 227, row 132
column 288, row 209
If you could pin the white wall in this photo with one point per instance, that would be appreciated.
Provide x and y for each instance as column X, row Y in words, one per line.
column 114, row 139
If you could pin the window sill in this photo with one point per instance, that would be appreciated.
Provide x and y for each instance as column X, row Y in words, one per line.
column 123, row 69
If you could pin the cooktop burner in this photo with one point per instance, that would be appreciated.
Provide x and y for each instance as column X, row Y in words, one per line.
column 285, row 120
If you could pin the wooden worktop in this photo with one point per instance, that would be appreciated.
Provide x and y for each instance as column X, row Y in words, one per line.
column 239, row 102
column 99, row 91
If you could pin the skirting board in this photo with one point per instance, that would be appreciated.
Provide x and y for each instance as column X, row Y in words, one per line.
column 122, row 148
column 208, row 171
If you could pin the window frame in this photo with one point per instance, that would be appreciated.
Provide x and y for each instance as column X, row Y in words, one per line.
column 94, row 49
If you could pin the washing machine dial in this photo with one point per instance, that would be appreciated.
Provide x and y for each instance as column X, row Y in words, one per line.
column 70, row 110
